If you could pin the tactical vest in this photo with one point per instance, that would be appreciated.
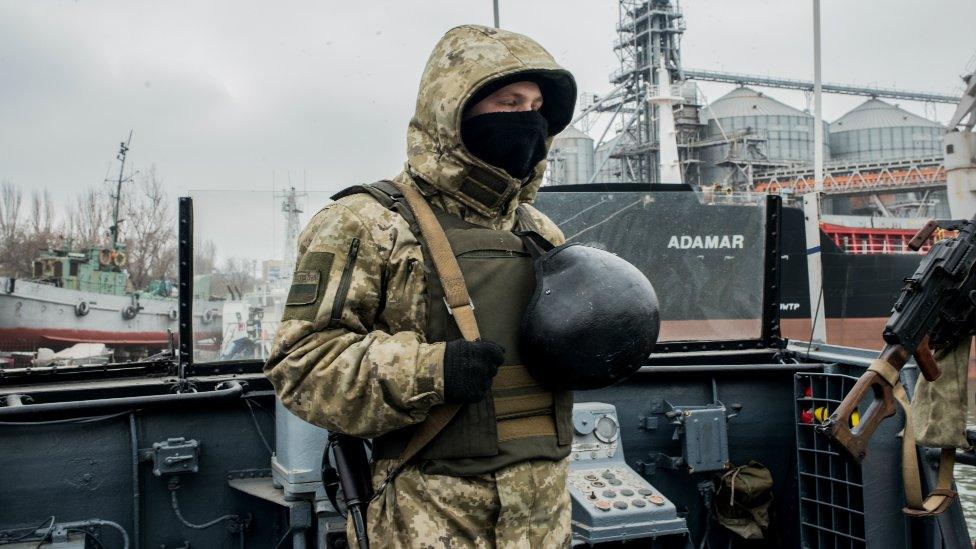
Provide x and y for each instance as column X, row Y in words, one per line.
column 519, row 419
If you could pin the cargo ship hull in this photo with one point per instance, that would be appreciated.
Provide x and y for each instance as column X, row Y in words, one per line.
column 859, row 289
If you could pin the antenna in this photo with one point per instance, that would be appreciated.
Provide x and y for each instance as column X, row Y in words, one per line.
column 117, row 197
column 495, row 4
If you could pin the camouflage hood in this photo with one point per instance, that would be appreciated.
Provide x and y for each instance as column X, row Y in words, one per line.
column 464, row 60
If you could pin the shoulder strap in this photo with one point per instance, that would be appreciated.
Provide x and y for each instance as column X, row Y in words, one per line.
column 459, row 305
column 385, row 192
column 456, row 296
column 937, row 501
column 388, row 194
column 523, row 220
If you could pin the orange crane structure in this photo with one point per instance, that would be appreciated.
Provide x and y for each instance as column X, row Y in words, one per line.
column 857, row 178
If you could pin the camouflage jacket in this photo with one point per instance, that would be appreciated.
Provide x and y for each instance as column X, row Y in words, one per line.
column 350, row 354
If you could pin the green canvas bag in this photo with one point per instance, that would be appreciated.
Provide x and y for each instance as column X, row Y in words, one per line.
column 743, row 498
column 939, row 407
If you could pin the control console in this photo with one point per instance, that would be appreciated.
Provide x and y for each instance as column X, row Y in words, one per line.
column 611, row 502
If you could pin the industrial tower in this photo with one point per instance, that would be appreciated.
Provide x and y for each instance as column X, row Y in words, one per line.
column 290, row 207
column 648, row 35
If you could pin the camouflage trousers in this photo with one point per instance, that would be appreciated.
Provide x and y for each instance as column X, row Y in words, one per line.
column 523, row 505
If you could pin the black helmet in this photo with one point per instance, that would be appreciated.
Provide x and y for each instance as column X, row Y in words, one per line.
column 592, row 320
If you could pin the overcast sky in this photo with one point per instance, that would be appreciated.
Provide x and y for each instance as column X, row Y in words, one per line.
column 236, row 94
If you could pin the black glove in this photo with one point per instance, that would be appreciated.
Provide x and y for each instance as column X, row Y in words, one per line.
column 469, row 367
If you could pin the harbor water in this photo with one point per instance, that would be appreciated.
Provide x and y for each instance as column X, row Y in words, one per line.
column 966, row 484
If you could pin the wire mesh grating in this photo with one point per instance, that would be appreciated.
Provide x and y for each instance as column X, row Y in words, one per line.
column 831, row 486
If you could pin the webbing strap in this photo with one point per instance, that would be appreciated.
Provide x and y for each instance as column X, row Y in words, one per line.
column 513, row 406
column 513, row 377
column 458, row 303
column 455, row 291
column 938, row 500
column 887, row 372
column 526, row 427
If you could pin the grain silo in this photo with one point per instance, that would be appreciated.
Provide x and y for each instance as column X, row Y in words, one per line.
column 876, row 130
column 753, row 131
column 571, row 158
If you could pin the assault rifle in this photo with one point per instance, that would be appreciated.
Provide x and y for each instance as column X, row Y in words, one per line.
column 936, row 307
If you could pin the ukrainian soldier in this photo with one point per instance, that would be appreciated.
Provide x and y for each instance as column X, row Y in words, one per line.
column 367, row 347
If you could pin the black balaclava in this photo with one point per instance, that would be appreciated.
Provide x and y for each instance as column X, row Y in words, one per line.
column 512, row 141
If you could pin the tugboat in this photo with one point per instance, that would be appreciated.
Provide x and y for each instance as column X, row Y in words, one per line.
column 85, row 296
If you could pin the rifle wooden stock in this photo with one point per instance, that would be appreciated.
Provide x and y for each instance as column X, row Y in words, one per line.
column 854, row 441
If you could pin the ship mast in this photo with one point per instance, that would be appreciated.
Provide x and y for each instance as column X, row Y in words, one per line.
column 117, row 197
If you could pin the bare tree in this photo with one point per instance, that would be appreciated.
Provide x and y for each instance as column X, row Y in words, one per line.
column 11, row 199
column 149, row 230
column 39, row 233
column 42, row 213
column 23, row 238
column 204, row 255
column 10, row 202
column 236, row 275
column 88, row 222
column 147, row 227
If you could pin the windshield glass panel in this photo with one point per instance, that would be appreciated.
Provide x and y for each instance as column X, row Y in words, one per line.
column 245, row 243
column 704, row 258
column 703, row 254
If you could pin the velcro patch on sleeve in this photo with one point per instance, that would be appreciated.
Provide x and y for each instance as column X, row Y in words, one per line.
column 308, row 286
column 304, row 288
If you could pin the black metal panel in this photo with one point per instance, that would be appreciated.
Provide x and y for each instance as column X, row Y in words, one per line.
column 771, row 273
column 186, row 284
column 771, row 337
column 83, row 470
column 617, row 188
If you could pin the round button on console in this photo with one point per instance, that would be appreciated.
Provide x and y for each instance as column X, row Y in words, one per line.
column 591, row 476
column 598, row 483
column 626, row 492
column 644, row 491
column 616, row 481
column 609, row 494
column 620, row 504
column 607, row 474
column 656, row 500
column 602, row 505
column 638, row 503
